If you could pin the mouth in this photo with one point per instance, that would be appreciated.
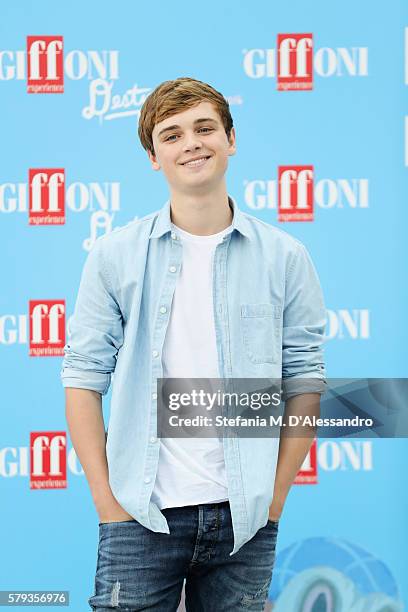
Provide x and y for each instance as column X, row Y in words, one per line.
column 197, row 163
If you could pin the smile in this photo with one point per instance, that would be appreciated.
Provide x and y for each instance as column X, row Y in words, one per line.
column 197, row 162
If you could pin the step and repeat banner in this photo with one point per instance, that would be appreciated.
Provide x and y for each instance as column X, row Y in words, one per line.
column 318, row 96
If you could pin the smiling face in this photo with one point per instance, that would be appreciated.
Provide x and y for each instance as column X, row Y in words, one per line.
column 192, row 149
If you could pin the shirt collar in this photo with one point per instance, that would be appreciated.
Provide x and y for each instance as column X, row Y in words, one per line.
column 163, row 221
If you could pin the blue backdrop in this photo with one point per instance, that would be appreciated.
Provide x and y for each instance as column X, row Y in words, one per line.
column 317, row 94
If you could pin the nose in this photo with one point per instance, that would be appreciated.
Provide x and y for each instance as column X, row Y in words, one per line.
column 192, row 141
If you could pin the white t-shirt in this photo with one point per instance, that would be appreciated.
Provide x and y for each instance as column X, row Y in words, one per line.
column 192, row 470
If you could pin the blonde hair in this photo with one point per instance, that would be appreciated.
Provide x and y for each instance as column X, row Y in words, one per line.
column 172, row 97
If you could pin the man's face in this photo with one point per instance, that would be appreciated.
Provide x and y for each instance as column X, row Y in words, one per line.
column 193, row 134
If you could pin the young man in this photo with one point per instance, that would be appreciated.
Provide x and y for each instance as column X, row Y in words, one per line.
column 198, row 289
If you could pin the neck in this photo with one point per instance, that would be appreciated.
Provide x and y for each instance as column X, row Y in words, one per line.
column 201, row 214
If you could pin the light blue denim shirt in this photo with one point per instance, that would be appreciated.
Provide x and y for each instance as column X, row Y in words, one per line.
column 269, row 322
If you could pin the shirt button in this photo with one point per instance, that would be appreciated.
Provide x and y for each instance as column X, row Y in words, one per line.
column 172, row 268
column 163, row 309
column 173, row 235
column 155, row 353
column 154, row 395
column 147, row 480
column 153, row 439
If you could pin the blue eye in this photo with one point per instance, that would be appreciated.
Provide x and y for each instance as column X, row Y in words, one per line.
column 207, row 129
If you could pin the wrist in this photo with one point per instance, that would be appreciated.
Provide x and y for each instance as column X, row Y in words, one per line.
column 280, row 493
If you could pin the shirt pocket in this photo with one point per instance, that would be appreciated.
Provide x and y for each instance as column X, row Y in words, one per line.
column 260, row 325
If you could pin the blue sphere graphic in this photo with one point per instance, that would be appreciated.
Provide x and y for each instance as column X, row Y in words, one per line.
column 369, row 574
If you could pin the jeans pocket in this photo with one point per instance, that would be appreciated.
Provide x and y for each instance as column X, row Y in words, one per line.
column 116, row 522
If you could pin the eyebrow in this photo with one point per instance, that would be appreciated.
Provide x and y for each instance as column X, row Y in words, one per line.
column 197, row 121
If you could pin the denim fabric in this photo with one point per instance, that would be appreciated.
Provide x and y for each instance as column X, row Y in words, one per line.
column 138, row 569
column 269, row 323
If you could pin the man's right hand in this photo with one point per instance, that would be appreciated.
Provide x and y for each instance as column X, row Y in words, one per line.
column 88, row 435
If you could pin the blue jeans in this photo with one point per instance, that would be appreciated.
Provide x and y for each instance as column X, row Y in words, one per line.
column 139, row 569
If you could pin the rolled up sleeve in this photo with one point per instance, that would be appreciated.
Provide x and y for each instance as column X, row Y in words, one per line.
column 95, row 329
column 304, row 322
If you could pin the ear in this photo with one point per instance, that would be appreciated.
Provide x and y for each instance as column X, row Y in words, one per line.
column 232, row 148
column 153, row 160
